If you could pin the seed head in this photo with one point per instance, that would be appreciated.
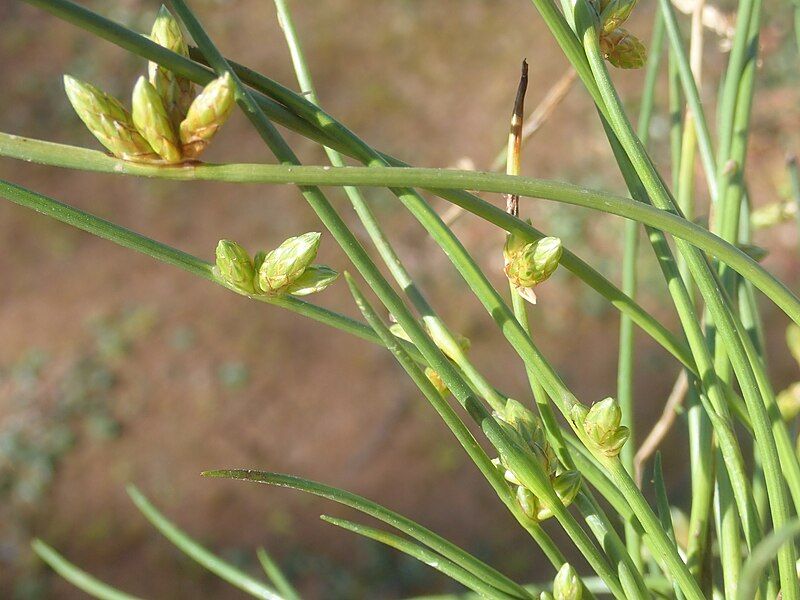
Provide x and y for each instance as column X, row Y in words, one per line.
column 567, row 584
column 176, row 92
column 285, row 264
column 153, row 122
column 314, row 279
column 601, row 423
column 108, row 121
column 615, row 13
column 234, row 266
column 623, row 49
column 206, row 115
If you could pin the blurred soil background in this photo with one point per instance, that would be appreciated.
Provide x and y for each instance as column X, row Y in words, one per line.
column 117, row 369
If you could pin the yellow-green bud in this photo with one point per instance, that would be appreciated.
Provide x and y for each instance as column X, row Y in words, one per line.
column 567, row 584
column 509, row 475
column 234, row 266
column 108, row 121
column 206, row 115
column 615, row 13
column 793, row 341
column 437, row 382
column 602, row 425
column 623, row 49
column 528, row 502
column 397, row 330
column 176, row 92
column 545, row 596
column 535, row 262
column 287, row 262
column 567, row 485
column 314, row 279
column 153, row 122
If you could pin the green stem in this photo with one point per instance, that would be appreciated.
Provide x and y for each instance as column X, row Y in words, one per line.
column 422, row 554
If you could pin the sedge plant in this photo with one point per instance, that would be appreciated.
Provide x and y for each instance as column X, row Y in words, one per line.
column 553, row 460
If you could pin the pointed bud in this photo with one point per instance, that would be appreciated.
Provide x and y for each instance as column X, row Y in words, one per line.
column 108, row 121
column 793, row 341
column 314, row 279
column 176, row 92
column 602, row 419
column 602, row 425
column 437, row 382
column 287, row 262
column 234, row 266
column 521, row 419
column 614, row 444
column 615, row 13
column 153, row 122
column 528, row 502
column 397, row 330
column 206, row 115
column 535, row 262
column 567, row 485
column 623, row 49
column 567, row 584
column 578, row 414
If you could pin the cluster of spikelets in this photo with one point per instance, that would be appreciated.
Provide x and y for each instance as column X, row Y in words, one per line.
column 619, row 46
column 286, row 270
column 527, row 429
column 167, row 124
column 527, row 264
column 601, row 425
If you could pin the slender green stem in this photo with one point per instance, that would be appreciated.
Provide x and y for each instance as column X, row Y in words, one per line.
column 276, row 576
column 201, row 555
column 422, row 554
column 77, row 577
